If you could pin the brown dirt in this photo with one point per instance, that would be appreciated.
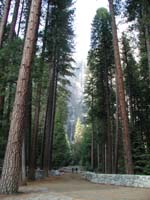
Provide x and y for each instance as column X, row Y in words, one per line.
column 73, row 187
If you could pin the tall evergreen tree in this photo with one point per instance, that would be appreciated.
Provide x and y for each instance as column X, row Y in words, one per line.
column 34, row 138
column 59, row 50
column 99, row 88
column 121, row 94
column 11, row 168
column 137, row 12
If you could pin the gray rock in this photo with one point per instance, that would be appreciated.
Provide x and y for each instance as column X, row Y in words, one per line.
column 118, row 179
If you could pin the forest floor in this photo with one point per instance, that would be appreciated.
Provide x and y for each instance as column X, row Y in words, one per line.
column 74, row 187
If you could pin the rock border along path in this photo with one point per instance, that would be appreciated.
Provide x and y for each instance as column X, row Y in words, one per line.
column 118, row 179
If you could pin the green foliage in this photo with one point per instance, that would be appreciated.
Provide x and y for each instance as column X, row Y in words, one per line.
column 10, row 57
column 86, row 147
column 76, row 153
column 60, row 36
column 77, row 145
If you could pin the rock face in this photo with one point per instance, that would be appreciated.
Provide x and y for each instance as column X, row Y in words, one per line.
column 118, row 179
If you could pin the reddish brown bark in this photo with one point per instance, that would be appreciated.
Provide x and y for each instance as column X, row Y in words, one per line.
column 119, row 76
column 12, row 162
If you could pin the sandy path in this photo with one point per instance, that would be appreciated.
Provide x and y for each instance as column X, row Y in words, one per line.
column 73, row 187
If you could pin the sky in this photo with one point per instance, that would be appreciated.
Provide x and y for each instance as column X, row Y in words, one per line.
column 84, row 14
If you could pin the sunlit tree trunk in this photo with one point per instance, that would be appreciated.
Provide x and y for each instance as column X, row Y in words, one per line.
column 12, row 163
column 124, row 116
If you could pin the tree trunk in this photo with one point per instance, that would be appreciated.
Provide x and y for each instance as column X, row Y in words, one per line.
column 9, row 103
column 32, row 163
column 124, row 116
column 92, row 136
column 49, row 119
column 117, row 135
column 108, row 119
column 98, row 157
column 53, row 120
column 4, row 20
column 14, row 20
column 23, row 165
column 106, row 91
column 12, row 162
column 2, row 99
column 109, row 134
column 147, row 35
column 146, row 16
column 28, row 133
column 28, row 122
column 28, row 6
column 105, row 158
column 20, row 18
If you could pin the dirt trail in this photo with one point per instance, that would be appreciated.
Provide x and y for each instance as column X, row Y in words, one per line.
column 73, row 187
